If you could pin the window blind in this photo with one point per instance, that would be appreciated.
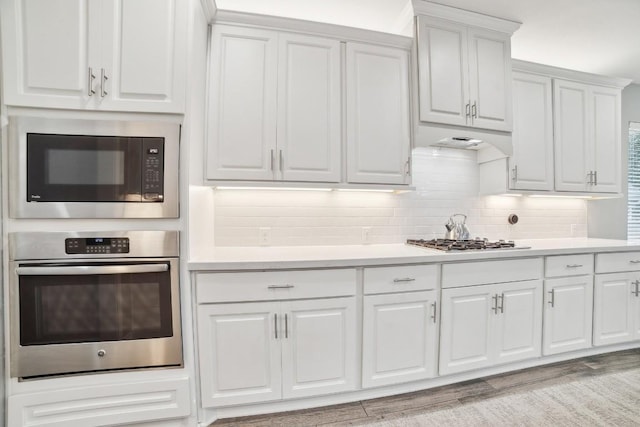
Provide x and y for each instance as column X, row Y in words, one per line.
column 633, row 207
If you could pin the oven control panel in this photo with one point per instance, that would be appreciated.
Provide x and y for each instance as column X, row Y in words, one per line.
column 96, row 245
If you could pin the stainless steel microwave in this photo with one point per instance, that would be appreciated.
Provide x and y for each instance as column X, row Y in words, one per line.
column 74, row 168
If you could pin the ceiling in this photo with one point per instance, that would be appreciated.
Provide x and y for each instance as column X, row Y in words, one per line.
column 596, row 36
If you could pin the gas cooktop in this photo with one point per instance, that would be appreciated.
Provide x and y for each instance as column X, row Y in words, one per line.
column 464, row 245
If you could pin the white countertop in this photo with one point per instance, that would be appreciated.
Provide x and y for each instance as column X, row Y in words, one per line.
column 282, row 257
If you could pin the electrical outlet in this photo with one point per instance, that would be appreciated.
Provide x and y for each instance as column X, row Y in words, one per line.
column 366, row 234
column 574, row 230
column 265, row 236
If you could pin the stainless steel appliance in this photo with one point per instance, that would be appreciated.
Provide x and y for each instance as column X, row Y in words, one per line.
column 85, row 302
column 453, row 245
column 77, row 168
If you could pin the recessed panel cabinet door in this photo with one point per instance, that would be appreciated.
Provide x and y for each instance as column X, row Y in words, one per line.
column 568, row 314
column 377, row 114
column 318, row 346
column 46, row 52
column 443, row 68
column 143, row 55
column 532, row 161
column 309, row 109
column 519, row 326
column 614, row 308
column 242, row 104
column 399, row 338
column 239, row 353
column 465, row 328
column 605, row 118
column 571, row 133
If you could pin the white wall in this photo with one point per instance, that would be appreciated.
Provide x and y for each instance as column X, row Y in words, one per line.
column 446, row 183
column 608, row 218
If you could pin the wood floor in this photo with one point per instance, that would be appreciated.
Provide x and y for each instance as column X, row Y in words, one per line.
column 421, row 402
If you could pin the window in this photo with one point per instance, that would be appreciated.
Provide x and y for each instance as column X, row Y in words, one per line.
column 633, row 207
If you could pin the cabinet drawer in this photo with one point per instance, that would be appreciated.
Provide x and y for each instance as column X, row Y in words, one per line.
column 498, row 271
column 568, row 265
column 382, row 280
column 618, row 261
column 274, row 285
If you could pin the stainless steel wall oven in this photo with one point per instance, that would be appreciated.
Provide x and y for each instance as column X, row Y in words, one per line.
column 86, row 302
column 93, row 168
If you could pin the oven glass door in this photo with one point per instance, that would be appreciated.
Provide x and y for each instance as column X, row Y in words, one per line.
column 93, row 303
column 74, row 168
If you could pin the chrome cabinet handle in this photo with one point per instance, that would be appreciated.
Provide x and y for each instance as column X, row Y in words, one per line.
column 286, row 325
column 574, row 265
column 514, row 173
column 433, row 314
column 408, row 167
column 280, row 160
column 595, row 177
column 91, row 269
column 502, row 303
column 406, row 279
column 275, row 324
column 474, row 110
column 467, row 109
column 91, row 77
column 103, row 83
column 495, row 304
column 552, row 300
column 590, row 175
column 637, row 288
column 280, row 286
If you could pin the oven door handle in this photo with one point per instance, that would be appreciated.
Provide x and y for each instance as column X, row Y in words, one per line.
column 91, row 269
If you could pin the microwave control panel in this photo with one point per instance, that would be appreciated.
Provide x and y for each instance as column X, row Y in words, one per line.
column 153, row 170
column 96, row 245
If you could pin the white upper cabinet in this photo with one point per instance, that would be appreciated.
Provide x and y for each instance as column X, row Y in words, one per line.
column 378, row 140
column 95, row 54
column 531, row 166
column 587, row 137
column 274, row 106
column 464, row 67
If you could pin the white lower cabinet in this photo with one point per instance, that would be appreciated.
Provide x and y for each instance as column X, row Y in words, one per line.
column 490, row 324
column 399, row 338
column 616, row 310
column 262, row 351
column 567, row 314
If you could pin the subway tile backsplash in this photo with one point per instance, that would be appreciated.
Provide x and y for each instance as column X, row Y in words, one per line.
column 445, row 182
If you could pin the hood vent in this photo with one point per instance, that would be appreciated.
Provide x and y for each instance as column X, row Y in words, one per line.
column 429, row 135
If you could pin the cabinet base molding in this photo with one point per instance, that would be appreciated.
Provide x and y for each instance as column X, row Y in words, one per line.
column 208, row 416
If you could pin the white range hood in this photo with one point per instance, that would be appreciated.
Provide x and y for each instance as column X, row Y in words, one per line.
column 438, row 135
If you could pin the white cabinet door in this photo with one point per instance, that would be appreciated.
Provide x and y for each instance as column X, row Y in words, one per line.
column 518, row 332
column 571, row 129
column 318, row 346
column 605, row 130
column 465, row 328
column 46, row 52
column 242, row 104
column 309, row 109
column 531, row 165
column 239, row 353
column 399, row 341
column 614, row 308
column 377, row 114
column 443, row 72
column 143, row 55
column 567, row 314
column 490, row 79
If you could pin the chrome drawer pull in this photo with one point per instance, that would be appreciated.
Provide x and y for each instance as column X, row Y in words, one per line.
column 280, row 286
column 574, row 265
column 635, row 261
column 406, row 279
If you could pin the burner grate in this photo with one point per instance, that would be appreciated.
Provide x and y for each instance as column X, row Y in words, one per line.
column 462, row 245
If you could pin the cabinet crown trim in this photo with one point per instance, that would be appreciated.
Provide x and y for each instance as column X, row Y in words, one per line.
column 291, row 25
column 566, row 74
column 435, row 10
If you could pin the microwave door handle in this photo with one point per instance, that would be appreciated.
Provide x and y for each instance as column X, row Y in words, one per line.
column 91, row 269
